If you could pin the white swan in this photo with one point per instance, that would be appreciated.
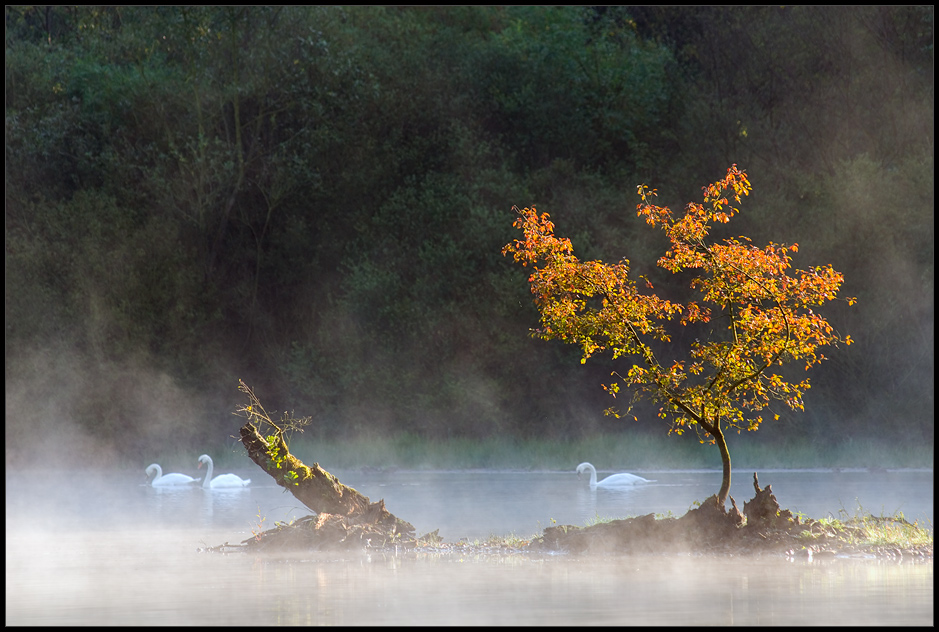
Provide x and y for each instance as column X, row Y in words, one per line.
column 166, row 480
column 222, row 480
column 614, row 480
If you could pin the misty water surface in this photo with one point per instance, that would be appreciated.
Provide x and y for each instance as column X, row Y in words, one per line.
column 105, row 548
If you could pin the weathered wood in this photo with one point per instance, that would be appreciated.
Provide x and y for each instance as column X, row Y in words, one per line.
column 315, row 487
column 764, row 511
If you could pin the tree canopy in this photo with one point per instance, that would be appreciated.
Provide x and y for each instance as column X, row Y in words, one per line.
column 752, row 315
column 313, row 199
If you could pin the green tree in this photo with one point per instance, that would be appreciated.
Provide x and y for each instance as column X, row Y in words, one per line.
column 753, row 316
column 565, row 83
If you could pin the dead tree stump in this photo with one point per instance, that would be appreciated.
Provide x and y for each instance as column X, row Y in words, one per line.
column 341, row 508
column 763, row 511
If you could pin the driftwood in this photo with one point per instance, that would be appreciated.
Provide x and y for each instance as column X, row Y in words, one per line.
column 764, row 511
column 344, row 515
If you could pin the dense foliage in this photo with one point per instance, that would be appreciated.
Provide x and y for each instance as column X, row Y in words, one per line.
column 751, row 315
column 314, row 200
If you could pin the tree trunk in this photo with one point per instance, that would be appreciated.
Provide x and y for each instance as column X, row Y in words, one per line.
column 725, row 459
column 315, row 487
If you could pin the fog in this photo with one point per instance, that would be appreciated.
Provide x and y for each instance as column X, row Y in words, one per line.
column 141, row 413
column 106, row 548
column 88, row 542
column 837, row 140
column 110, row 581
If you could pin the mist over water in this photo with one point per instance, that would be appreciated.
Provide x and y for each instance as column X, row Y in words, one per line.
column 149, row 579
column 461, row 504
column 105, row 548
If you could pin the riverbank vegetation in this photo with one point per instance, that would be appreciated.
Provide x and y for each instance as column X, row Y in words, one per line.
column 608, row 452
column 611, row 452
column 314, row 199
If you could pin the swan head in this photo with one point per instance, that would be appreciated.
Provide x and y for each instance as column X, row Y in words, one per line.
column 152, row 469
column 582, row 467
column 205, row 458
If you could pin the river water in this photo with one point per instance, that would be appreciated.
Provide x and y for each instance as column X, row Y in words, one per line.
column 107, row 549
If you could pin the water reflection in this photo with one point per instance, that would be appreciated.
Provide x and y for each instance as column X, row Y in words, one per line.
column 116, row 551
column 156, row 578
column 471, row 505
column 224, row 500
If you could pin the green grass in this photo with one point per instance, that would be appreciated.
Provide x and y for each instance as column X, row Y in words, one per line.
column 866, row 530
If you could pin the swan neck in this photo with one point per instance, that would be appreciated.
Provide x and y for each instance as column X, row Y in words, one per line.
column 208, row 472
column 593, row 476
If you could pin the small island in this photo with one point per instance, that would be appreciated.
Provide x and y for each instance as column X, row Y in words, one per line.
column 345, row 520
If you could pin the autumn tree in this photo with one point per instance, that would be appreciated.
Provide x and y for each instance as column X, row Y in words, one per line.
column 752, row 316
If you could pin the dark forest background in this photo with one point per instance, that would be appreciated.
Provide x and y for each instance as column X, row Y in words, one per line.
column 314, row 200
